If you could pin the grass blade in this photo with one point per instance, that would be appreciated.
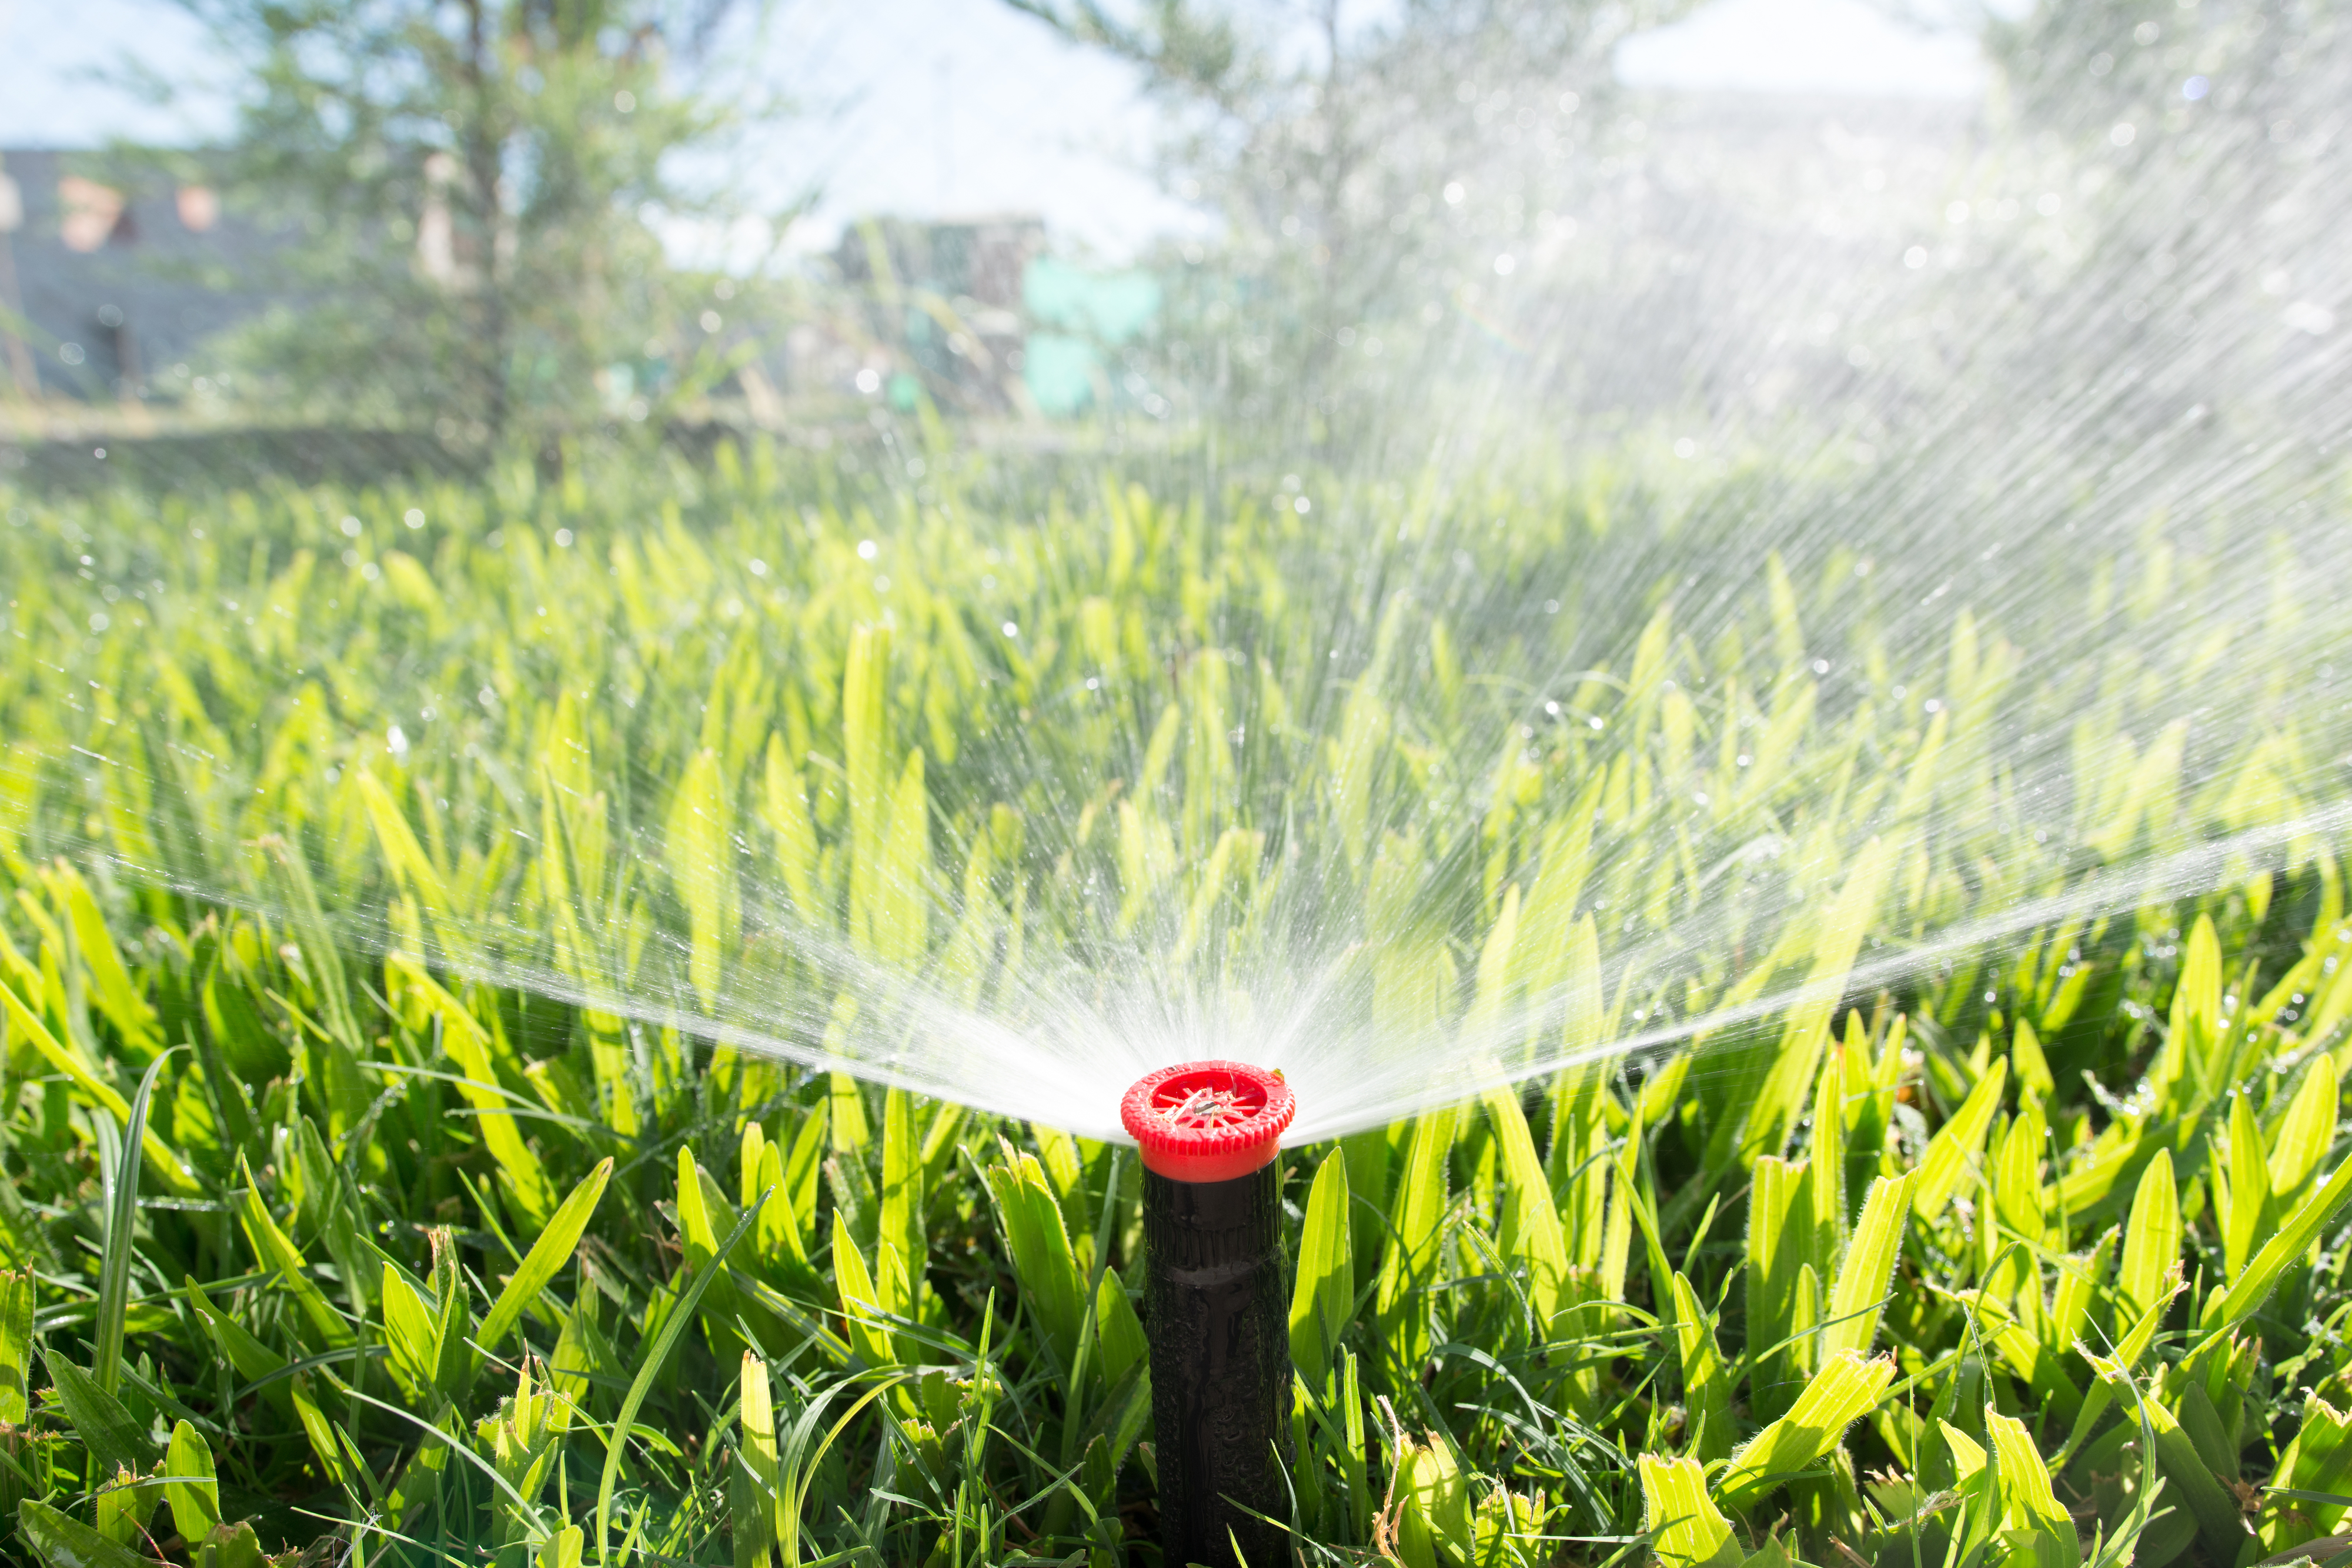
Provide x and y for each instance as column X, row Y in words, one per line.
column 115, row 1440
column 655, row 1358
column 2151, row 1241
column 1689, row 1531
column 2252, row 1287
column 2025, row 1490
column 1945, row 1166
column 548, row 1255
column 273, row 1250
column 1855, row 1302
column 1530, row 1231
column 61, row 1541
column 2307, row 1131
column 94, row 1088
column 901, row 1225
column 1324, row 1293
column 1839, row 1394
column 1706, row 1388
column 16, row 1347
column 122, row 1219
column 193, row 1492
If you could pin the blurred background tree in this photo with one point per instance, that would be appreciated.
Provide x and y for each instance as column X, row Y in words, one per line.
column 2179, row 146
column 473, row 193
column 1369, row 165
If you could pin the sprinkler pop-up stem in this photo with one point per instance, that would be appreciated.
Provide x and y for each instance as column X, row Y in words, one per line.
column 1215, row 1306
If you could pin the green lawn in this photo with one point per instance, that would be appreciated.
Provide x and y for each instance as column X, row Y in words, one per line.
column 367, row 850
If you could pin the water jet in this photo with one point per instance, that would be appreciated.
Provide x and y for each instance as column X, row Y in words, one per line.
column 1214, row 1305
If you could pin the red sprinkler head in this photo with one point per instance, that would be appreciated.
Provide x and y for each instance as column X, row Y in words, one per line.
column 1208, row 1121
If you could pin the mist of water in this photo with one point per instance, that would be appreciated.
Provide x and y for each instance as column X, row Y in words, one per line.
column 1952, row 523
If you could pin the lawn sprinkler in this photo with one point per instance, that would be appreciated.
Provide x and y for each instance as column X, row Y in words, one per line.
column 1216, row 1307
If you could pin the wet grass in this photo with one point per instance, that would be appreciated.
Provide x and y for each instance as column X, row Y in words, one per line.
column 319, row 1246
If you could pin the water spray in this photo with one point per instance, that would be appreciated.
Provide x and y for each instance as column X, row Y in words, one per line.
column 1215, row 1306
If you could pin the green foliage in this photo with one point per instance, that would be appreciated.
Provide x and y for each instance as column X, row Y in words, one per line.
column 1324, row 1297
column 471, row 189
column 1338, row 173
column 316, row 1227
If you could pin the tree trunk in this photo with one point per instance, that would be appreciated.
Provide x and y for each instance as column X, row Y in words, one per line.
column 489, row 347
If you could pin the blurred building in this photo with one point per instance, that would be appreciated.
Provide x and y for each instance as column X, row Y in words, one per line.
column 113, row 277
column 945, row 300
column 978, row 315
column 109, row 284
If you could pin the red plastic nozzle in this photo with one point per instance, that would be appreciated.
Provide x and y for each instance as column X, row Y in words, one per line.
column 1208, row 1121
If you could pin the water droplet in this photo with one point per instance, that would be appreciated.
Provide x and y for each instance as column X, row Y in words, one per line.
column 2306, row 316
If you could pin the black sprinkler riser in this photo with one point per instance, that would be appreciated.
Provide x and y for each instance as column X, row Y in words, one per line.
column 1217, row 1309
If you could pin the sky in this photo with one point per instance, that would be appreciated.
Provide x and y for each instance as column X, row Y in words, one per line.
column 963, row 107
